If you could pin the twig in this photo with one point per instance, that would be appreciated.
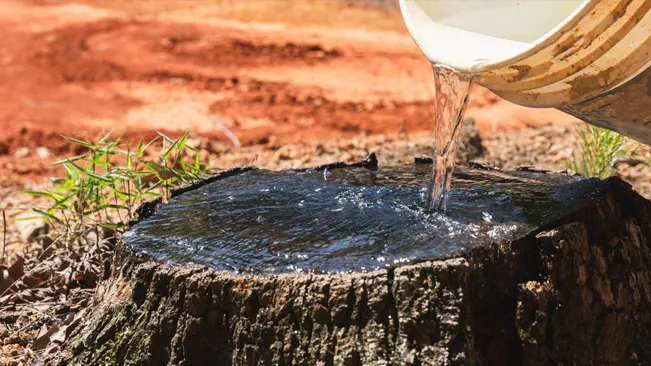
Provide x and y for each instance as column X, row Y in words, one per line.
column 252, row 161
column 54, row 241
column 227, row 132
column 403, row 131
column 4, row 235
column 11, row 287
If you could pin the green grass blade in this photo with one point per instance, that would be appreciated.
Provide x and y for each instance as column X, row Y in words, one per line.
column 49, row 216
column 85, row 144
column 49, row 195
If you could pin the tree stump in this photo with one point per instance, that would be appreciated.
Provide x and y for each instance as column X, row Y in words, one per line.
column 574, row 290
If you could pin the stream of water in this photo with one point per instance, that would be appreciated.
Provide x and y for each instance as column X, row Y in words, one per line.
column 451, row 95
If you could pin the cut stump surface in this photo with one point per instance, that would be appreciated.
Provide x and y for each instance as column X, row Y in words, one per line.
column 576, row 290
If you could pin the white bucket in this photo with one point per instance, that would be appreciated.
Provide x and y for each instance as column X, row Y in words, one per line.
column 575, row 55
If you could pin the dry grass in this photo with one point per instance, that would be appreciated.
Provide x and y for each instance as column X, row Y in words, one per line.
column 357, row 14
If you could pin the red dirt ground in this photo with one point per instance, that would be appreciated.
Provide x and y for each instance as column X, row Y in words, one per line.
column 79, row 70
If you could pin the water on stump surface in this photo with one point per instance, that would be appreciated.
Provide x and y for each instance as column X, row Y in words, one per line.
column 349, row 219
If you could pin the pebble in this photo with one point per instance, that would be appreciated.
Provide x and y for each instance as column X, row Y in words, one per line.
column 42, row 152
column 22, row 152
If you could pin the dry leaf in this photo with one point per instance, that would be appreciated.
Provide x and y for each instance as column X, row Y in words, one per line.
column 17, row 269
column 57, row 334
column 5, row 280
column 43, row 339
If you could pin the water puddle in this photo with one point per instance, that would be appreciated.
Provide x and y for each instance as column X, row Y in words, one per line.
column 349, row 219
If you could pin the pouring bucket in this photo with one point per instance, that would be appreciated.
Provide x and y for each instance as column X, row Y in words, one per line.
column 588, row 58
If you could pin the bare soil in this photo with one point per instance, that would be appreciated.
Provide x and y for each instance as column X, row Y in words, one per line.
column 80, row 70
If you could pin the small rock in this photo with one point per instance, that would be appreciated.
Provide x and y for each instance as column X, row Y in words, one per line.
column 92, row 238
column 22, row 152
column 203, row 155
column 194, row 143
column 42, row 152
column 216, row 147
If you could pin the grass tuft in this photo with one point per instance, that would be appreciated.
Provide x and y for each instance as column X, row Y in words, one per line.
column 103, row 186
column 598, row 151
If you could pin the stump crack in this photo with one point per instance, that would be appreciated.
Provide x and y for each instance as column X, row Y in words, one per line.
column 393, row 321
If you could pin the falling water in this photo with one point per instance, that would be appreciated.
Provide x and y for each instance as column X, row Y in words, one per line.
column 451, row 98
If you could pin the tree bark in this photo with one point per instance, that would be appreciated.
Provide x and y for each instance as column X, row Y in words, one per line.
column 575, row 292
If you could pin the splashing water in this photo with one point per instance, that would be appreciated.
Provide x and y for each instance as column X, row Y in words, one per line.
column 451, row 98
column 356, row 219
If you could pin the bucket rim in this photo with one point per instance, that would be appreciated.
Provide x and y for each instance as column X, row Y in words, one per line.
column 538, row 45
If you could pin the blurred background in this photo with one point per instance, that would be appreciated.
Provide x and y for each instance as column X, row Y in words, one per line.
column 283, row 83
